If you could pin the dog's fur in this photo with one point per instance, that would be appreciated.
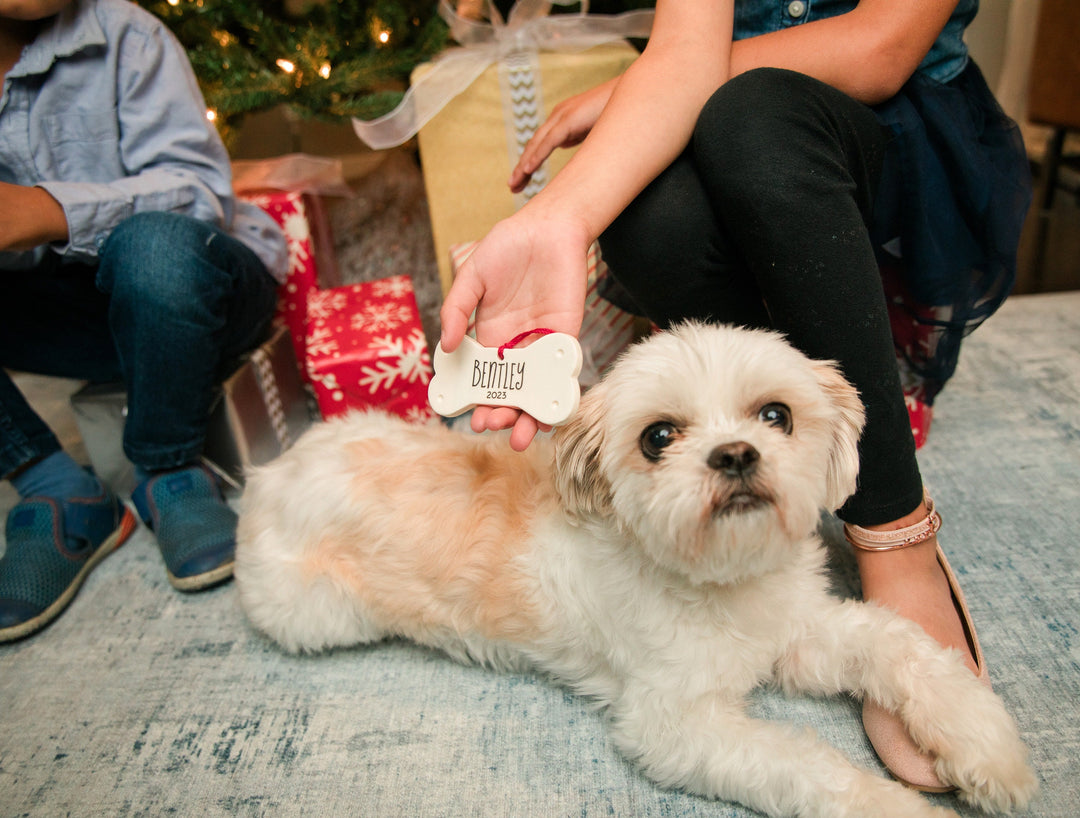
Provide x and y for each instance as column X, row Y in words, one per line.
column 665, row 587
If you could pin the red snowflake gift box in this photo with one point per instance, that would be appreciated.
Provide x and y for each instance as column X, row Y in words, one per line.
column 366, row 349
column 303, row 219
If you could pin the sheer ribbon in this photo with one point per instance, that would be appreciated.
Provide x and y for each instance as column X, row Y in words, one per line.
column 528, row 28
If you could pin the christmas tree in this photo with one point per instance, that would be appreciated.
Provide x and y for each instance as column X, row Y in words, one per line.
column 326, row 60
column 323, row 59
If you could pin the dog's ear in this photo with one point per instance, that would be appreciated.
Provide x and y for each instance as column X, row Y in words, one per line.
column 847, row 427
column 578, row 479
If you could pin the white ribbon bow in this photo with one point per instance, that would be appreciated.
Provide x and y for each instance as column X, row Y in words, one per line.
column 528, row 27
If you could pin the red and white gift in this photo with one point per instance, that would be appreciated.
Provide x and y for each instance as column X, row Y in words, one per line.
column 303, row 219
column 365, row 348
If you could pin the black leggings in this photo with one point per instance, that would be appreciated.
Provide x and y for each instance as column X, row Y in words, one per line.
column 762, row 222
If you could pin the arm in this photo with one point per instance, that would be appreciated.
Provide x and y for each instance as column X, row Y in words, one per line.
column 530, row 270
column 868, row 53
column 162, row 156
column 649, row 117
column 28, row 217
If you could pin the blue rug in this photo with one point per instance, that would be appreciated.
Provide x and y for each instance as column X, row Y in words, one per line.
column 142, row 701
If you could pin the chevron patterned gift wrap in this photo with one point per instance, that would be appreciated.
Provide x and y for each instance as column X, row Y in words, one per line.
column 469, row 147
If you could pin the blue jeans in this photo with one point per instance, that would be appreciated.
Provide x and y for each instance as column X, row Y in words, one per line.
column 169, row 310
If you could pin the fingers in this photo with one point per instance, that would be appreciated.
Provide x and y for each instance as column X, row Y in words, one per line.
column 555, row 132
column 493, row 419
column 569, row 124
column 532, row 157
column 457, row 308
column 482, row 420
column 518, row 179
column 454, row 325
column 525, row 430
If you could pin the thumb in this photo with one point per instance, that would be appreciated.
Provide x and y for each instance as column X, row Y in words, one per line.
column 457, row 309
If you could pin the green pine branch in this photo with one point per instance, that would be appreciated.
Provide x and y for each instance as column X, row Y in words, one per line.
column 323, row 59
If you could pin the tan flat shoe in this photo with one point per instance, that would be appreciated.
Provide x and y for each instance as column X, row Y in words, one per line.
column 896, row 749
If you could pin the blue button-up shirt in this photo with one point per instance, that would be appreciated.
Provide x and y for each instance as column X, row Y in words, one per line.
column 946, row 59
column 102, row 110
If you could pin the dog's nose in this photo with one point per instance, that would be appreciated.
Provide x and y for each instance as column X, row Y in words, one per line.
column 737, row 459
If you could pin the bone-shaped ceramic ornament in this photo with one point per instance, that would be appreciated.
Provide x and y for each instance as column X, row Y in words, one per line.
column 541, row 379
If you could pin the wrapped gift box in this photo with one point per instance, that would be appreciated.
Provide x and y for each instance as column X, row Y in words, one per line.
column 261, row 410
column 312, row 263
column 366, row 349
column 100, row 410
column 266, row 136
column 470, row 146
column 606, row 330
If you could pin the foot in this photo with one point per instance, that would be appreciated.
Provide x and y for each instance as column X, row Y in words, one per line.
column 195, row 528
column 52, row 546
column 912, row 582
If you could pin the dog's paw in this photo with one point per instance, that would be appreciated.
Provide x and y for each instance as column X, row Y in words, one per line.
column 996, row 778
column 998, row 787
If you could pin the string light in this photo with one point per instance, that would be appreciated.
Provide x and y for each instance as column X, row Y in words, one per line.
column 379, row 32
column 218, row 51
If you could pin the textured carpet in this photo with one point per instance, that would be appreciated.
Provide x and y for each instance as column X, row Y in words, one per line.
column 143, row 701
column 384, row 230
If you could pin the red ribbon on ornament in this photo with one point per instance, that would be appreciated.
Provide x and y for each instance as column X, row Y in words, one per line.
column 517, row 339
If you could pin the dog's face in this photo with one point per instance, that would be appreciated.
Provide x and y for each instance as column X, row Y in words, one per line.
column 713, row 448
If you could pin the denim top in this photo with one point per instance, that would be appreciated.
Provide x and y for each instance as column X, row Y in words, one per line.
column 102, row 110
column 946, row 59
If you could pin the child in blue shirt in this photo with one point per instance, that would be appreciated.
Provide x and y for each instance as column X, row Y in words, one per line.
column 124, row 256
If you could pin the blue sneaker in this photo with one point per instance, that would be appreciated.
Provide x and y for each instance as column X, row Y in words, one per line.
column 52, row 547
column 195, row 528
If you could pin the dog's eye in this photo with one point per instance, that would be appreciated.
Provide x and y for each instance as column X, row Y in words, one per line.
column 778, row 415
column 656, row 438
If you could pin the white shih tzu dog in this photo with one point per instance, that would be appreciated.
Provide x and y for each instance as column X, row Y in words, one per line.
column 657, row 553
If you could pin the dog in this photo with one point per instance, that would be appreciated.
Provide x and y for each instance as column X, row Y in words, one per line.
column 657, row 553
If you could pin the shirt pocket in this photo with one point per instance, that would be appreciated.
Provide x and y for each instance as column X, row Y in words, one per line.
column 83, row 146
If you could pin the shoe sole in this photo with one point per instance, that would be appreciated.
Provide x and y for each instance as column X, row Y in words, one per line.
column 108, row 545
column 201, row 582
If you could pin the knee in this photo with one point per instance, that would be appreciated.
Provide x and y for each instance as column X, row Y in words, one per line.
column 148, row 237
column 757, row 108
column 668, row 226
column 160, row 258
column 754, row 127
